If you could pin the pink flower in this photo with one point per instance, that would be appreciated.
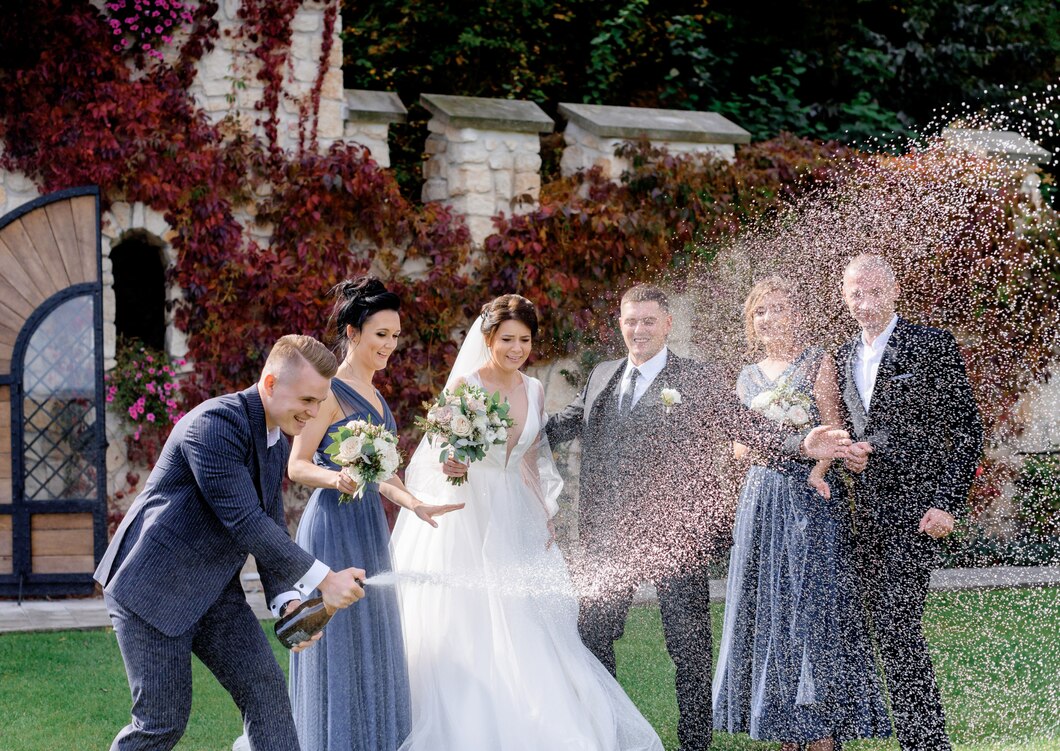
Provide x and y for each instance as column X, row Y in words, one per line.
column 150, row 416
column 132, row 412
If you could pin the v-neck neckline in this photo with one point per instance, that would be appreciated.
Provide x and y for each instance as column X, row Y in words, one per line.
column 526, row 418
column 359, row 396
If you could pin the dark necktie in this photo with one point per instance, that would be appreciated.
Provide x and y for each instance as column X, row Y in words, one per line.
column 626, row 404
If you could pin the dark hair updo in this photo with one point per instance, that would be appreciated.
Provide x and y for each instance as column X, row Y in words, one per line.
column 357, row 300
column 508, row 308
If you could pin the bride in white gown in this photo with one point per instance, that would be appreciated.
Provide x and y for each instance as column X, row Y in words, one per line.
column 489, row 611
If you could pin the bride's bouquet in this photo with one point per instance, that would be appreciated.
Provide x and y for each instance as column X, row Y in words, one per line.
column 784, row 405
column 366, row 452
column 465, row 422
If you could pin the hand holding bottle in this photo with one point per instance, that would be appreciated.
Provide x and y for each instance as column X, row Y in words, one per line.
column 340, row 589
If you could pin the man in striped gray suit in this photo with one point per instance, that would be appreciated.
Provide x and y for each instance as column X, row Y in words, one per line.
column 171, row 574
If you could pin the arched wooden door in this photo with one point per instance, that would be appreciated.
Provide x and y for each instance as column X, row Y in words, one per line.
column 53, row 510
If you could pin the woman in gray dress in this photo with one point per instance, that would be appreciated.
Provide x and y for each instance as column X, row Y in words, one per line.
column 795, row 663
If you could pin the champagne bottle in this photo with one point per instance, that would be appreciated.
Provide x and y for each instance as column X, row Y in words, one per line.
column 302, row 623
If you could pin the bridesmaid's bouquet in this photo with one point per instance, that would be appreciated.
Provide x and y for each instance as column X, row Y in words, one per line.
column 784, row 405
column 465, row 422
column 366, row 452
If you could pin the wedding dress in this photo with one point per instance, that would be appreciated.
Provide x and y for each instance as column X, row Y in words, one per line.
column 489, row 611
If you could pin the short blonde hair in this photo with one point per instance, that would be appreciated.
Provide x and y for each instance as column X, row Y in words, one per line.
column 758, row 292
column 295, row 349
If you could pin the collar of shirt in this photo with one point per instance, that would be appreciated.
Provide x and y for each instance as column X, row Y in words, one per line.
column 871, row 351
column 648, row 370
column 272, row 437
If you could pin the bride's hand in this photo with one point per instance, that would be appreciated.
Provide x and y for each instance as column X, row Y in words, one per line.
column 551, row 533
column 453, row 468
column 427, row 511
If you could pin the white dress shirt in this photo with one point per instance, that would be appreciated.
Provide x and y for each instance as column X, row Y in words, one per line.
column 312, row 578
column 648, row 371
column 867, row 362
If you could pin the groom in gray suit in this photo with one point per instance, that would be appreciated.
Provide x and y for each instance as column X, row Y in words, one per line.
column 651, row 485
column 171, row 574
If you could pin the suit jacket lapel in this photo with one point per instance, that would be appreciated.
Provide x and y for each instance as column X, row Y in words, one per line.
column 887, row 362
column 258, row 429
column 851, row 397
column 609, row 373
column 888, row 366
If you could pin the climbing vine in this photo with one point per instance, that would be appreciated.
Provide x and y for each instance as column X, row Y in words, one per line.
column 75, row 110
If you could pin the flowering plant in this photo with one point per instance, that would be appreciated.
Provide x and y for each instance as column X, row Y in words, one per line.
column 466, row 422
column 670, row 399
column 140, row 24
column 784, row 405
column 143, row 389
column 366, row 452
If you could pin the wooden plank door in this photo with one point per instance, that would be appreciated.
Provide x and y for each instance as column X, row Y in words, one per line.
column 52, row 438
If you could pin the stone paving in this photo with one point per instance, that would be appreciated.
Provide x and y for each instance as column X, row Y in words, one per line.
column 90, row 612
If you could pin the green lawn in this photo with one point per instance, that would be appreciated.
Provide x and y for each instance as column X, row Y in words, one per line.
column 997, row 654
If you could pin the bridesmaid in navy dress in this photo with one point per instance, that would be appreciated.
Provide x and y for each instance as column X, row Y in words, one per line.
column 351, row 691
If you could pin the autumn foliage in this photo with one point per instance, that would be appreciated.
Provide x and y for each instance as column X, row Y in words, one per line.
column 75, row 110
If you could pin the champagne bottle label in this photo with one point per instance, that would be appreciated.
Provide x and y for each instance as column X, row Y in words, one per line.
column 302, row 623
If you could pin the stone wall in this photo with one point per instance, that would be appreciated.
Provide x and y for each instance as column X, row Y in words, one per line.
column 227, row 82
column 483, row 157
column 594, row 132
column 15, row 190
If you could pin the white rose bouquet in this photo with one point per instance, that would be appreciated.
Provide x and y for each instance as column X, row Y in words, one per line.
column 366, row 452
column 465, row 422
column 784, row 405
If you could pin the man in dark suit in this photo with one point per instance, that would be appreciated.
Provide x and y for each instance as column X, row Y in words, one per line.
column 651, row 491
column 171, row 574
column 918, row 440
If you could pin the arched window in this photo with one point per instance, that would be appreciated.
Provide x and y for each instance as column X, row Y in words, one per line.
column 139, row 291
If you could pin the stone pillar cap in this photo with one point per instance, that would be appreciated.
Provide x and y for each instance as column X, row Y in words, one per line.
column 484, row 113
column 1007, row 144
column 363, row 106
column 607, row 121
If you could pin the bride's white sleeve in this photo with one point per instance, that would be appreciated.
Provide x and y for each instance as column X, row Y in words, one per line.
column 539, row 468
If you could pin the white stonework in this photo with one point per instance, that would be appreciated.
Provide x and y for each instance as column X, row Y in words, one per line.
column 594, row 132
column 227, row 80
column 15, row 190
column 480, row 173
column 584, row 151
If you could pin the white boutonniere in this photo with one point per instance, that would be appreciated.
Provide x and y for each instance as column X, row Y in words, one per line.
column 670, row 399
